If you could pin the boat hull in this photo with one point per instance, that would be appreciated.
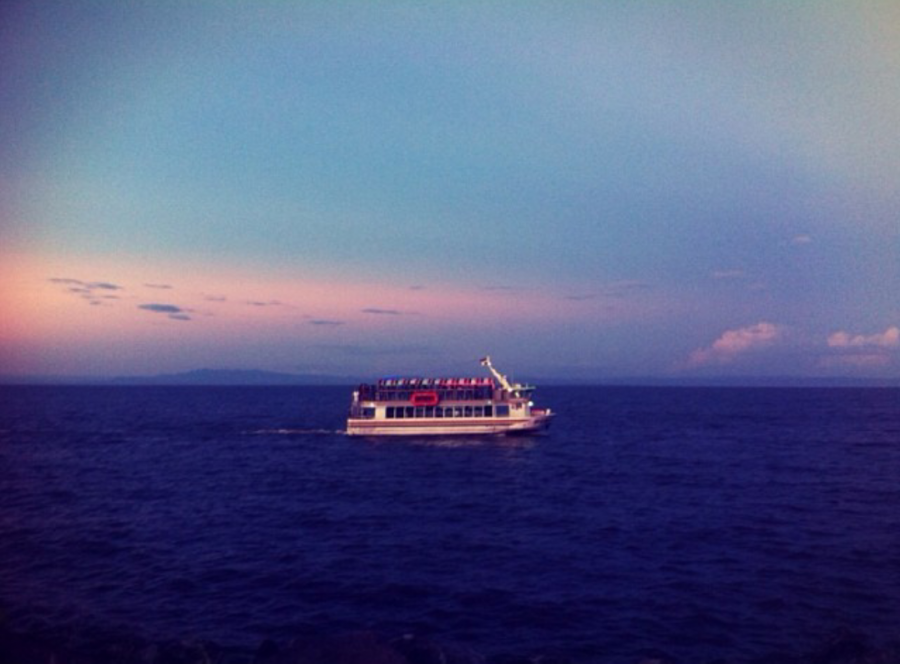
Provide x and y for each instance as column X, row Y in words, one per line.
column 448, row 427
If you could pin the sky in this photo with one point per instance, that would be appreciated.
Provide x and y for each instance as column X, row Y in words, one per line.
column 583, row 190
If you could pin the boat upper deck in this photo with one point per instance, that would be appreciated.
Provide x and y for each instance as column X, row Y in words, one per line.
column 449, row 389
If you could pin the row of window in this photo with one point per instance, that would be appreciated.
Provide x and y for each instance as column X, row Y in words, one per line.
column 407, row 412
column 478, row 393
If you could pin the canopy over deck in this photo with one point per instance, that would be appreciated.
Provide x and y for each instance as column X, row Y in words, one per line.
column 420, row 383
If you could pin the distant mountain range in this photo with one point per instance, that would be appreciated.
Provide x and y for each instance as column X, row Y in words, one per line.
column 257, row 377
column 232, row 377
column 195, row 377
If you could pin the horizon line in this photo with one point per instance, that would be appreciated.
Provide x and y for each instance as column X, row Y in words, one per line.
column 264, row 378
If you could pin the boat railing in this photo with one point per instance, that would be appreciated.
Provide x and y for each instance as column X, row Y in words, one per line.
column 382, row 394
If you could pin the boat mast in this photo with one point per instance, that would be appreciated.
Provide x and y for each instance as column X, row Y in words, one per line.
column 486, row 362
column 515, row 389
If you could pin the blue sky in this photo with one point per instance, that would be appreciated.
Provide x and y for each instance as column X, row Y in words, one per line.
column 595, row 190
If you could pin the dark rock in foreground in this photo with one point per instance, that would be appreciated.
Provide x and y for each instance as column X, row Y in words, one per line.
column 421, row 650
column 356, row 648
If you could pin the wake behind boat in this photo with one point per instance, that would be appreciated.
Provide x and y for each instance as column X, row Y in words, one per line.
column 445, row 406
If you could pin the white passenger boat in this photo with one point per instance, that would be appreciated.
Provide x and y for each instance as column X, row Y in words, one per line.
column 445, row 406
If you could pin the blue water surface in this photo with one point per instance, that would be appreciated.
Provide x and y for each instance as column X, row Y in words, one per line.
column 701, row 522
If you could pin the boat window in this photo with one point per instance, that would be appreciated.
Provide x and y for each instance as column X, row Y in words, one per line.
column 420, row 411
column 389, row 412
column 468, row 411
column 429, row 411
column 502, row 410
column 410, row 411
column 488, row 411
column 368, row 412
column 398, row 412
column 457, row 411
column 479, row 411
column 438, row 411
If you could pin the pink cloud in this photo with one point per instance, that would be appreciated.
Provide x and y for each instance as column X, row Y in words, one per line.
column 862, row 351
column 859, row 360
column 734, row 343
column 890, row 338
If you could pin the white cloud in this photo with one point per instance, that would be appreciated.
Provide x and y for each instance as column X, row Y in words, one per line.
column 890, row 338
column 734, row 343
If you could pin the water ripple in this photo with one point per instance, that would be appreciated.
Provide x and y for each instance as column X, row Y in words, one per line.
column 704, row 523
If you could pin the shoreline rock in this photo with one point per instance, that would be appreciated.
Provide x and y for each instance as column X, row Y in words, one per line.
column 362, row 647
